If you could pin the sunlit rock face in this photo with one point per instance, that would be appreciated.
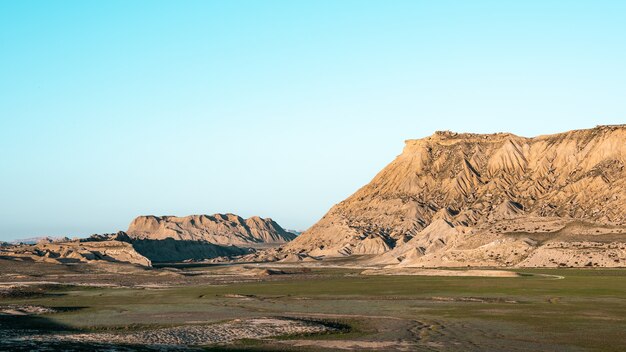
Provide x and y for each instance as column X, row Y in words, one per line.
column 222, row 229
column 467, row 190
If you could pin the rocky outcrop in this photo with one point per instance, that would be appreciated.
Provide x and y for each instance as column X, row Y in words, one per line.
column 219, row 229
column 465, row 194
column 160, row 239
column 119, row 248
column 77, row 252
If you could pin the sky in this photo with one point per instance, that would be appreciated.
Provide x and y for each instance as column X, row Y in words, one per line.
column 114, row 109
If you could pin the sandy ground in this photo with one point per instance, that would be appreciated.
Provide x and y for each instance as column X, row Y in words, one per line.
column 439, row 272
column 255, row 328
column 24, row 310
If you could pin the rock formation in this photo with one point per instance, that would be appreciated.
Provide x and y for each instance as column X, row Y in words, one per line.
column 171, row 250
column 76, row 252
column 220, row 229
column 160, row 239
column 461, row 199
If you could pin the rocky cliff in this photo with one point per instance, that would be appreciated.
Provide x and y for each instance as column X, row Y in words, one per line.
column 456, row 192
column 220, row 229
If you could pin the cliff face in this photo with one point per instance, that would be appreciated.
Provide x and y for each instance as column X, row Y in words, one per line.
column 479, row 182
column 220, row 229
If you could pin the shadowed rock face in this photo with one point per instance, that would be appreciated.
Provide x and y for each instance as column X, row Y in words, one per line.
column 221, row 229
column 170, row 250
column 475, row 184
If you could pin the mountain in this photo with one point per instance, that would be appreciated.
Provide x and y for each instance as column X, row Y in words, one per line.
column 220, row 229
column 456, row 199
column 295, row 232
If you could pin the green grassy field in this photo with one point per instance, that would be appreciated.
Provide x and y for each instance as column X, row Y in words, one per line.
column 585, row 310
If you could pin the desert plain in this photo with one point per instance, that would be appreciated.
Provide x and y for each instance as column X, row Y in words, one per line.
column 303, row 307
column 465, row 242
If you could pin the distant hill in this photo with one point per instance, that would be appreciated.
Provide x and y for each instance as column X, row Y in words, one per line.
column 159, row 239
column 220, row 229
column 34, row 240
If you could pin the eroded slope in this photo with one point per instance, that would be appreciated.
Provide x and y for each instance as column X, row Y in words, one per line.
column 465, row 189
column 221, row 229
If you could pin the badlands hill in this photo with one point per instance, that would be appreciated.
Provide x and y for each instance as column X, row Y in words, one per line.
column 219, row 229
column 75, row 251
column 152, row 239
column 457, row 199
column 118, row 248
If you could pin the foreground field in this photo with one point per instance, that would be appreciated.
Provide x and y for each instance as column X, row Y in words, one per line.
column 325, row 309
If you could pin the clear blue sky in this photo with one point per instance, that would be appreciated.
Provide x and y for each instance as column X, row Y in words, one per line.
column 112, row 109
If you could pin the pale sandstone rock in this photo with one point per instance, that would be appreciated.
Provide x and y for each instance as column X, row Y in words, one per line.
column 455, row 199
column 221, row 229
column 78, row 252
